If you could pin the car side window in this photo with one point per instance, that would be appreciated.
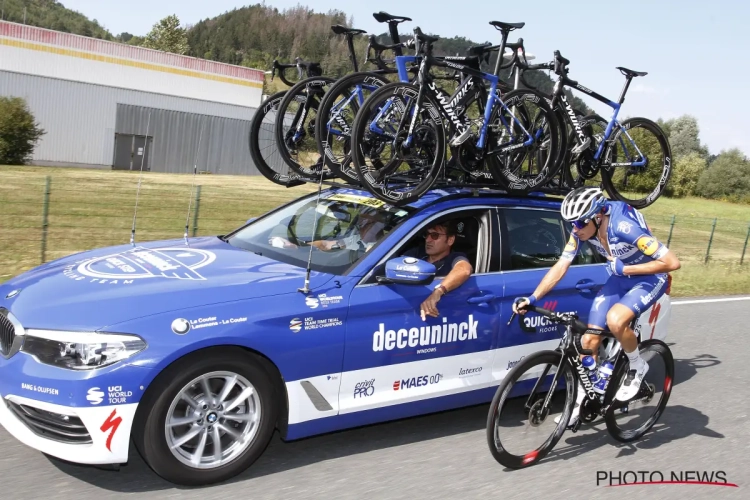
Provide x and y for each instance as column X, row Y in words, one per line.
column 535, row 238
column 471, row 239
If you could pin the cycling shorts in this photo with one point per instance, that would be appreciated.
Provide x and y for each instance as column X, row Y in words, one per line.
column 637, row 293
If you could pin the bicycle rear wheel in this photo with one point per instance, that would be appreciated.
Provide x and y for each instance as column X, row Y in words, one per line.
column 642, row 142
column 518, row 162
column 630, row 420
column 295, row 126
column 389, row 169
column 514, row 426
column 336, row 114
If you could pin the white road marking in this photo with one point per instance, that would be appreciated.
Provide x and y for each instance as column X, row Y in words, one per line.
column 702, row 301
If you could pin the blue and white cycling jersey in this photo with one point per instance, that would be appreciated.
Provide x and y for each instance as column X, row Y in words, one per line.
column 631, row 241
column 628, row 236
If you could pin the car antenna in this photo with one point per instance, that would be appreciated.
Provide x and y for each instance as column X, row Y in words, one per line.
column 138, row 192
column 306, row 288
column 195, row 171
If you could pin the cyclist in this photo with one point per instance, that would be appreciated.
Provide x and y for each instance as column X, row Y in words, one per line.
column 638, row 267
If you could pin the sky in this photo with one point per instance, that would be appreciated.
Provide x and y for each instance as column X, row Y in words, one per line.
column 695, row 52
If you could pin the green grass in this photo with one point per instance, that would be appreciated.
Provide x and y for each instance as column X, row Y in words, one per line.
column 94, row 208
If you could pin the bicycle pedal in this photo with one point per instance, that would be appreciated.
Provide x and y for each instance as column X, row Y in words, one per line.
column 574, row 428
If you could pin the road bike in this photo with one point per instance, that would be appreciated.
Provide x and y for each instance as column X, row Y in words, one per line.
column 628, row 148
column 409, row 157
column 263, row 148
column 545, row 383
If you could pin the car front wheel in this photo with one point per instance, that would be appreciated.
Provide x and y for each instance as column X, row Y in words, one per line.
column 210, row 418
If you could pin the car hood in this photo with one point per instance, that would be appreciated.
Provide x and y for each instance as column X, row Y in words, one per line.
column 90, row 290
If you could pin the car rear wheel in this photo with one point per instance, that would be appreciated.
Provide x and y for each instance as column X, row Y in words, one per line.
column 210, row 417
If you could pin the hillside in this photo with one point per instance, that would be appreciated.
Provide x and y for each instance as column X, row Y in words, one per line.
column 52, row 15
column 254, row 36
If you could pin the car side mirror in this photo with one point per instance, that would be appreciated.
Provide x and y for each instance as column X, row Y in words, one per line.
column 408, row 271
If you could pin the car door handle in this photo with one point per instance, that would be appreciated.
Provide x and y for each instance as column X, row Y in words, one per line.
column 585, row 285
column 481, row 300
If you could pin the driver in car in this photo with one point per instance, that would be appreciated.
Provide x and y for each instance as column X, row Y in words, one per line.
column 438, row 251
column 363, row 235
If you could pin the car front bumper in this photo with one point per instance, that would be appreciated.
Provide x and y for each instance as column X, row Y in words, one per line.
column 96, row 435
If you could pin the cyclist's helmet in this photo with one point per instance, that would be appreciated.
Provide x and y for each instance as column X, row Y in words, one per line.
column 581, row 204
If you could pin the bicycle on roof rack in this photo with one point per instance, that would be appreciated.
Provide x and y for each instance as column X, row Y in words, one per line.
column 628, row 148
column 263, row 148
column 411, row 156
column 545, row 384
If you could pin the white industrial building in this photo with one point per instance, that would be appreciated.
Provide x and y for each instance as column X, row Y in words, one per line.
column 103, row 104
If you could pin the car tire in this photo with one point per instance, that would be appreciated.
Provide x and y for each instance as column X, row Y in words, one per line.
column 164, row 401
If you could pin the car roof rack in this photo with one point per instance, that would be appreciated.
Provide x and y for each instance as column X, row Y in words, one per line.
column 460, row 189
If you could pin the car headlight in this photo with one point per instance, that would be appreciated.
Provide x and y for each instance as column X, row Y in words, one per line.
column 80, row 350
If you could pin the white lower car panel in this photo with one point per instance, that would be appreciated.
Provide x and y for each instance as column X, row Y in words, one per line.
column 107, row 427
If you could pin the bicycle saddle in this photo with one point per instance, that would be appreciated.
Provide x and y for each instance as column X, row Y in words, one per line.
column 507, row 26
column 630, row 72
column 343, row 30
column 384, row 17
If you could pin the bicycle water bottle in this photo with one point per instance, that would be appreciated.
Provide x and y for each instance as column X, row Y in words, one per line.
column 605, row 371
column 590, row 364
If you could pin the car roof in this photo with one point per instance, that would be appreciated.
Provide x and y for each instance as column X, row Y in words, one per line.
column 434, row 196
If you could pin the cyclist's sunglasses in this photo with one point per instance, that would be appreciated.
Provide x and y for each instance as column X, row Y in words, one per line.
column 581, row 224
column 433, row 235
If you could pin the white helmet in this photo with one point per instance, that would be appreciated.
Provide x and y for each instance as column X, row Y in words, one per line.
column 582, row 203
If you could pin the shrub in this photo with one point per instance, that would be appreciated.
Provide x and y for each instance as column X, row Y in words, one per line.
column 18, row 131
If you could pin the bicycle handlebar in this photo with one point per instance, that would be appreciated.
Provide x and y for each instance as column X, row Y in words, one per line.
column 379, row 48
column 311, row 69
column 556, row 317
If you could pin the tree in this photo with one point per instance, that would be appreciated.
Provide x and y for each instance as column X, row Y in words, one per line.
column 18, row 131
column 167, row 35
column 728, row 178
column 683, row 137
column 687, row 170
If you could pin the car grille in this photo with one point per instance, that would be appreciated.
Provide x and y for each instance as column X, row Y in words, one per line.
column 7, row 333
column 62, row 428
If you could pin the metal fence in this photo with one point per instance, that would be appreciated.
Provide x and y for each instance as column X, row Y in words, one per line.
column 44, row 219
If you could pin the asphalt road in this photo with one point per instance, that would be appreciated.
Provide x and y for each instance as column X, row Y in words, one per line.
column 705, row 428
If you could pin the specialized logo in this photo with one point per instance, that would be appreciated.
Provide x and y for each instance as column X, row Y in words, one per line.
column 402, row 338
column 95, row 396
column 400, row 385
column 364, row 389
column 111, row 425
column 647, row 244
column 142, row 263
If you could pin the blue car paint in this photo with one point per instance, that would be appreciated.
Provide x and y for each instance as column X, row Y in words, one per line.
column 240, row 284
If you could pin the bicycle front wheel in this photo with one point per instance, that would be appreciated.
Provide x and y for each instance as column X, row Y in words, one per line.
column 521, row 427
column 394, row 165
column 630, row 420
column 637, row 163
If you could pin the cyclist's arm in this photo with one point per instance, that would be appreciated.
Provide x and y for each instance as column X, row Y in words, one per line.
column 664, row 261
column 556, row 272
column 552, row 278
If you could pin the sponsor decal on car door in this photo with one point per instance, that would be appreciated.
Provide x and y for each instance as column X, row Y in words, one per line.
column 393, row 356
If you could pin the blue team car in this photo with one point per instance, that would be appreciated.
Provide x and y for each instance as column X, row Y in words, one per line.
column 306, row 320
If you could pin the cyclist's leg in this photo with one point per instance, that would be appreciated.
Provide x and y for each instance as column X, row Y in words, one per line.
column 642, row 295
column 609, row 294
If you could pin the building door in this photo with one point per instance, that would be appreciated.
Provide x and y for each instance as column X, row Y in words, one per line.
column 130, row 150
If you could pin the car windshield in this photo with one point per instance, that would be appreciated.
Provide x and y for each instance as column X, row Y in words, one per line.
column 341, row 228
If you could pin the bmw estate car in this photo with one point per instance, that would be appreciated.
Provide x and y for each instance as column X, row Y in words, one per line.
column 197, row 351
